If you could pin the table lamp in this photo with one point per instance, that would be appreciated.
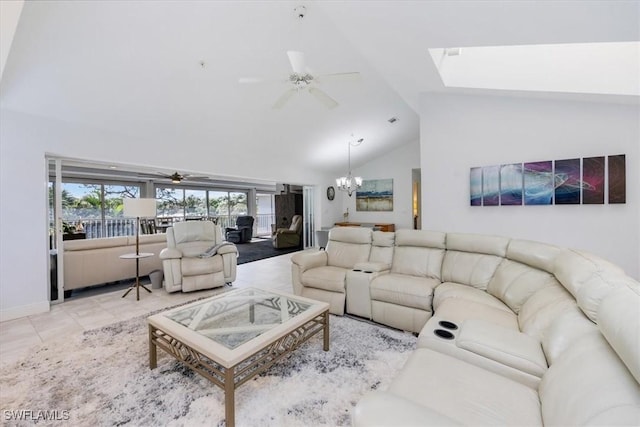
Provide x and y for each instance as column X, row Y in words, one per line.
column 139, row 208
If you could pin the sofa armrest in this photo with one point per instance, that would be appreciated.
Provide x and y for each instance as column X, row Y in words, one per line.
column 170, row 253
column 285, row 231
column 227, row 249
column 382, row 408
column 308, row 260
column 508, row 347
column 371, row 267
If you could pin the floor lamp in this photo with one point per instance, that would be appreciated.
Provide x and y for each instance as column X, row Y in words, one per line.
column 138, row 208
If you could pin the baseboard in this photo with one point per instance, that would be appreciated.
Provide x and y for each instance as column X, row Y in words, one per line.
column 24, row 310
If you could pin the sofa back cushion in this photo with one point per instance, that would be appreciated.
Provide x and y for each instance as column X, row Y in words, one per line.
column 146, row 239
column 477, row 244
column 88, row 244
column 564, row 331
column 513, row 283
column 589, row 279
column 589, row 385
column 472, row 259
column 419, row 253
column 542, row 308
column 535, row 254
column 193, row 231
column 619, row 322
column 382, row 247
column 348, row 246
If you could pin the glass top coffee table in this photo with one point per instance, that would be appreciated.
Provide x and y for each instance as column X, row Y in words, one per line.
column 232, row 337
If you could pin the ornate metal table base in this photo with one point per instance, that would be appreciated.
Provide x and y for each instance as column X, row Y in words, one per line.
column 230, row 378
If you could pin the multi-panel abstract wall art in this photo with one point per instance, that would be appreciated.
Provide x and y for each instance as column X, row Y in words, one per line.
column 559, row 182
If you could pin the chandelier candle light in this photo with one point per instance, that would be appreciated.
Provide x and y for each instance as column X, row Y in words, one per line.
column 350, row 183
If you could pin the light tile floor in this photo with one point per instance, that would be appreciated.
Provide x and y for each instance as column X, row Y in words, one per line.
column 74, row 316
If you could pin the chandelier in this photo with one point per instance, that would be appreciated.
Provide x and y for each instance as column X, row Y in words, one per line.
column 350, row 183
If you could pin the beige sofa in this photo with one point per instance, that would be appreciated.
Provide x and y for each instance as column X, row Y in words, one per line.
column 96, row 261
column 512, row 332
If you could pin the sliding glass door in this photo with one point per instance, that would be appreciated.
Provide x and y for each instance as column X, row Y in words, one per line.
column 55, row 231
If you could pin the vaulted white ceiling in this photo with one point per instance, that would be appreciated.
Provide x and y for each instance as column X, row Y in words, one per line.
column 136, row 67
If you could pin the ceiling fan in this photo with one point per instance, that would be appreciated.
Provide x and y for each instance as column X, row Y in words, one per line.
column 175, row 177
column 302, row 79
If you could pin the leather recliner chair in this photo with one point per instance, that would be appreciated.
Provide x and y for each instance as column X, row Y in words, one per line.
column 288, row 237
column 197, row 257
column 243, row 232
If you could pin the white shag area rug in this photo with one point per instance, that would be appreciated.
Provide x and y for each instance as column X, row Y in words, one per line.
column 102, row 378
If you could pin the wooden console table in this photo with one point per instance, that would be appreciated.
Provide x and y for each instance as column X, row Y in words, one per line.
column 382, row 227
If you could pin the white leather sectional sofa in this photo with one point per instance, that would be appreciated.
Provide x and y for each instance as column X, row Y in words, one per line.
column 511, row 332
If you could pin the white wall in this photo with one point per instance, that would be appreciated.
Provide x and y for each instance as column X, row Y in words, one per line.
column 396, row 164
column 462, row 131
column 24, row 141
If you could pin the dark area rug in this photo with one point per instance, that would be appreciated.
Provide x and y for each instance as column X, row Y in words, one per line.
column 254, row 251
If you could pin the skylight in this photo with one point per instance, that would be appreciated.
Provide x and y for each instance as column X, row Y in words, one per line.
column 593, row 68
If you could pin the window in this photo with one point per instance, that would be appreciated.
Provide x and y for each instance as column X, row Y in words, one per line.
column 170, row 202
column 227, row 206
column 96, row 209
column 195, row 203
column 184, row 203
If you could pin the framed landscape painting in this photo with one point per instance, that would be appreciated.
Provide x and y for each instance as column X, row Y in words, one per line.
column 375, row 195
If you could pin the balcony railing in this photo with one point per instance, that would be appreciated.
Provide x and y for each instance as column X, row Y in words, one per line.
column 114, row 227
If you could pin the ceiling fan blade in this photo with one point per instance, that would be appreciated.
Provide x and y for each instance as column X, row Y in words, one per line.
column 355, row 75
column 297, row 61
column 284, row 98
column 325, row 99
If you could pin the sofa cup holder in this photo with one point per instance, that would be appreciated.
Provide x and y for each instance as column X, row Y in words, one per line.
column 448, row 325
column 443, row 334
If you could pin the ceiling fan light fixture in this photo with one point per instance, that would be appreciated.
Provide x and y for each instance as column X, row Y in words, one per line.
column 176, row 178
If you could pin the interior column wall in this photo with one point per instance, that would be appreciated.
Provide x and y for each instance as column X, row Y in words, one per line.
column 458, row 132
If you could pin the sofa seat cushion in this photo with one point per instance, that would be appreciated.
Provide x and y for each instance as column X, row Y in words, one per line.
column 455, row 290
column 382, row 408
column 506, row 346
column 466, row 393
column 401, row 289
column 458, row 310
column 328, row 278
column 197, row 266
